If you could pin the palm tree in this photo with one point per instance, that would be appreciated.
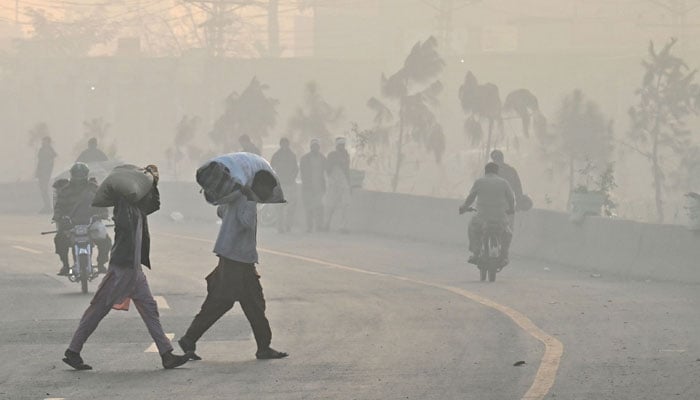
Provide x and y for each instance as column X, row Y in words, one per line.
column 483, row 102
column 421, row 66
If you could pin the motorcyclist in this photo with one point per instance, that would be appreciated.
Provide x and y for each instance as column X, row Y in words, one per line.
column 74, row 207
column 494, row 203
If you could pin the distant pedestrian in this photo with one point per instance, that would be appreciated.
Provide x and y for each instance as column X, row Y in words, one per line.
column 92, row 154
column 338, row 196
column 284, row 162
column 125, row 280
column 44, row 169
column 313, row 186
column 247, row 145
column 235, row 278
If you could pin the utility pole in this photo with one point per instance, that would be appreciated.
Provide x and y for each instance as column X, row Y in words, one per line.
column 218, row 11
column 679, row 9
column 273, row 29
column 445, row 9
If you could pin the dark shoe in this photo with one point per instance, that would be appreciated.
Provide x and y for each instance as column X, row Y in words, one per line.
column 74, row 360
column 101, row 269
column 171, row 360
column 189, row 349
column 269, row 354
column 65, row 271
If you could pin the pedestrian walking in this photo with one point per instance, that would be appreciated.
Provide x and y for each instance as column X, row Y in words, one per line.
column 126, row 282
column 235, row 278
column 44, row 169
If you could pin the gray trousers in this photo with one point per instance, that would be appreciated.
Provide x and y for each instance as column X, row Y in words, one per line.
column 117, row 285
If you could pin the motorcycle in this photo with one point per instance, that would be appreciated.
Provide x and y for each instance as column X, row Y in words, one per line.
column 489, row 261
column 82, row 269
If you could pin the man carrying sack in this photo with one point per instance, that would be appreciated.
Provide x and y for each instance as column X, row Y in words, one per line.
column 125, row 280
column 235, row 279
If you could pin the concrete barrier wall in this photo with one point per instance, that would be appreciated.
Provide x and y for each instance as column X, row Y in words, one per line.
column 628, row 248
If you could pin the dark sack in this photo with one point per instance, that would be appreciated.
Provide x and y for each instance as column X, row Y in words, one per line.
column 127, row 181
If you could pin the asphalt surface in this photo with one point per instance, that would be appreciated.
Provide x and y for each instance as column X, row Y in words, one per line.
column 363, row 317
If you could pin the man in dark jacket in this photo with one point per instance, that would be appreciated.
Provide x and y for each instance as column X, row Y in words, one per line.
column 44, row 169
column 313, row 185
column 74, row 207
column 508, row 173
column 92, row 154
column 284, row 162
column 125, row 280
column 235, row 279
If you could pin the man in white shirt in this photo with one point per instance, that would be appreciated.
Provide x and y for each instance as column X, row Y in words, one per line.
column 235, row 279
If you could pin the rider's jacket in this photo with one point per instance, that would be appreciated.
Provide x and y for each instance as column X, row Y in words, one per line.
column 75, row 202
column 494, row 197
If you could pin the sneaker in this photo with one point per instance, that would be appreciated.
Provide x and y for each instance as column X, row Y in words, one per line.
column 171, row 360
column 64, row 271
column 189, row 348
column 74, row 360
column 269, row 354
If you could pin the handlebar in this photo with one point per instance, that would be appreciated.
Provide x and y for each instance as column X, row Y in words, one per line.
column 56, row 231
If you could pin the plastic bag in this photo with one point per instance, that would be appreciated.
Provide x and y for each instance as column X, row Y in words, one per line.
column 127, row 181
column 220, row 176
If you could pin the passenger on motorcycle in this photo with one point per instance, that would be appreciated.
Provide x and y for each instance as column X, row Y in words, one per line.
column 494, row 202
column 73, row 206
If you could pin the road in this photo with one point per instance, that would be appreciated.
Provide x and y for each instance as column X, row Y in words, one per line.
column 363, row 317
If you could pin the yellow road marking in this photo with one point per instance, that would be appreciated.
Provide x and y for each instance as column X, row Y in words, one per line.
column 27, row 249
column 153, row 348
column 554, row 349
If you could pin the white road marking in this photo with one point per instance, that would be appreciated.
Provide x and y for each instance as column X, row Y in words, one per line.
column 153, row 348
column 27, row 249
column 553, row 348
column 162, row 303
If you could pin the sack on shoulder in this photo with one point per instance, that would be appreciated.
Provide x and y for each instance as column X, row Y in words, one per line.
column 127, row 181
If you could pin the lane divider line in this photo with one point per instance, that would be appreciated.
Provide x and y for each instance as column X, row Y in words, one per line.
column 162, row 303
column 27, row 249
column 553, row 348
column 153, row 348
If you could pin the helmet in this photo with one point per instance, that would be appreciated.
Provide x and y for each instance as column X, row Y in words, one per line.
column 79, row 171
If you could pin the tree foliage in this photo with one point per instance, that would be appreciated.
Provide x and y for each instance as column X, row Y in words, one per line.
column 50, row 37
column 482, row 103
column 416, row 88
column 667, row 97
column 251, row 113
column 581, row 133
column 315, row 117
